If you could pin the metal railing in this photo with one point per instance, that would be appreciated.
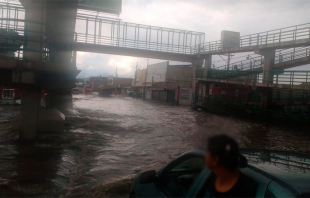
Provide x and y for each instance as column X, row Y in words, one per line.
column 300, row 78
column 226, row 74
column 274, row 36
column 16, row 39
column 258, row 61
column 292, row 54
column 101, row 30
column 291, row 78
column 249, row 109
column 290, row 95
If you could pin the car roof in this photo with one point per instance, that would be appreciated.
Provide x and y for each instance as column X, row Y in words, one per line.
column 288, row 167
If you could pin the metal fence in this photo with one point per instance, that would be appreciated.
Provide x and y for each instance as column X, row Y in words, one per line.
column 292, row 78
column 290, row 95
column 250, row 109
column 17, row 40
column 258, row 61
column 274, row 36
column 101, row 30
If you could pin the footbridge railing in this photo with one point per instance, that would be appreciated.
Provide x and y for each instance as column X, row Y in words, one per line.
column 257, row 62
column 291, row 33
column 99, row 30
column 102, row 31
column 280, row 77
column 16, row 41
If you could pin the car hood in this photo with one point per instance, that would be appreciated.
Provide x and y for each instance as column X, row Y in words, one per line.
column 291, row 168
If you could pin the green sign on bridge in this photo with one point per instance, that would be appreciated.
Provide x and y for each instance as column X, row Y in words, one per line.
column 109, row 6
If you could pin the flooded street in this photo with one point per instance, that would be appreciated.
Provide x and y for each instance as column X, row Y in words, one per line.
column 108, row 141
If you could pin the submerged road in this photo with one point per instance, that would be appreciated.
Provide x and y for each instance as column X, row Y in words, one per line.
column 108, row 141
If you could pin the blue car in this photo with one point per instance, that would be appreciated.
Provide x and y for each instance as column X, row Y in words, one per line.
column 278, row 174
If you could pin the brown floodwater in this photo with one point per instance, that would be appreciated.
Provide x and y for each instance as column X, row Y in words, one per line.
column 107, row 141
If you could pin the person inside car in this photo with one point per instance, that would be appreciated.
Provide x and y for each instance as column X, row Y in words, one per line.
column 224, row 160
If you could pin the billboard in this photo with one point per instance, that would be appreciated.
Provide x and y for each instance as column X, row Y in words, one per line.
column 108, row 6
column 230, row 39
column 185, row 94
column 110, row 80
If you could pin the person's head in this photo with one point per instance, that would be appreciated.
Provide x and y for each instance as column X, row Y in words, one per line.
column 223, row 153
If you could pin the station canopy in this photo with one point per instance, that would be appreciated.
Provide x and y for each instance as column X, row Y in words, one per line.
column 108, row 6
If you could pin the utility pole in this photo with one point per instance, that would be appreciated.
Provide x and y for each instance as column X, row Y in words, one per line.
column 228, row 61
column 145, row 79
column 134, row 85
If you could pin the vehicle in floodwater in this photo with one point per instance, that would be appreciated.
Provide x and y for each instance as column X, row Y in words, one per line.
column 10, row 96
column 278, row 174
column 88, row 90
column 75, row 91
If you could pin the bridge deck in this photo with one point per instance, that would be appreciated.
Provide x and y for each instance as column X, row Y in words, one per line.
column 106, row 49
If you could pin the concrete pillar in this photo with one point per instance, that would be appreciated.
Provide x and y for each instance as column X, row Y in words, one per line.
column 60, row 31
column 62, row 100
column 55, row 22
column 266, row 98
column 269, row 57
column 208, row 62
column 197, row 64
column 29, row 111
column 34, row 29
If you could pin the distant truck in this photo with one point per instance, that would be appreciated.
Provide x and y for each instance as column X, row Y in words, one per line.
column 130, row 92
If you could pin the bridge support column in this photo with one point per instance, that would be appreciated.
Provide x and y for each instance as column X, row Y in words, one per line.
column 54, row 20
column 197, row 64
column 34, row 29
column 29, row 113
column 61, row 31
column 208, row 62
column 266, row 98
column 266, row 103
column 269, row 57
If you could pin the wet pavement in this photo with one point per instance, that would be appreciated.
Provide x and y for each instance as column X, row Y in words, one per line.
column 108, row 141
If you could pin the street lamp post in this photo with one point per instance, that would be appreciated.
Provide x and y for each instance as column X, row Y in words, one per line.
column 145, row 79
column 134, row 86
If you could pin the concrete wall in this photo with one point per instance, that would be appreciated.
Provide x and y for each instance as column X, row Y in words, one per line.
column 171, row 77
column 158, row 70
column 149, row 94
column 140, row 75
column 181, row 75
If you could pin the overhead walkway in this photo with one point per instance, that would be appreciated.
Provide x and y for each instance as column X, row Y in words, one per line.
column 249, row 72
column 99, row 34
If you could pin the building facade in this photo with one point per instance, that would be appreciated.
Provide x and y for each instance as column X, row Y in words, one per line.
column 170, row 83
column 139, row 83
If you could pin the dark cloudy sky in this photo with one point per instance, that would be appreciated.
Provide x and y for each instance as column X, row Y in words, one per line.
column 209, row 16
